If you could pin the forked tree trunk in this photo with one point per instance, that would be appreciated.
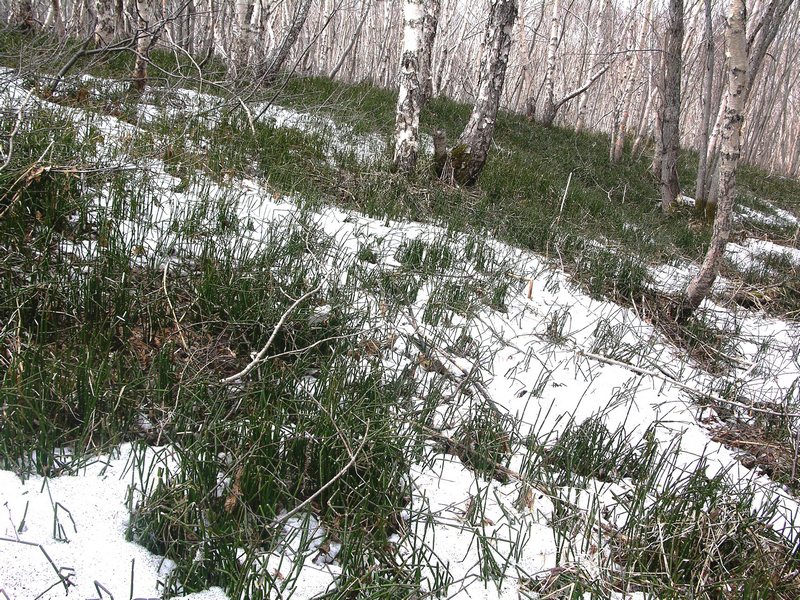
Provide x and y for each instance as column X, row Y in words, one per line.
column 406, row 136
column 279, row 56
column 430, row 24
column 139, row 75
column 671, row 107
column 700, row 286
column 705, row 125
column 469, row 155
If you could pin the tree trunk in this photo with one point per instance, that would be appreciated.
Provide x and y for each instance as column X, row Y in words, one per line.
column 106, row 20
column 627, row 95
column 55, row 19
column 599, row 39
column 406, row 134
column 255, row 32
column 700, row 285
column 241, row 39
column 658, row 99
column 644, row 123
column 139, row 75
column 275, row 62
column 433, row 9
column 91, row 17
column 705, row 125
column 758, row 42
column 548, row 112
column 23, row 15
column 353, row 40
column 671, row 107
column 469, row 155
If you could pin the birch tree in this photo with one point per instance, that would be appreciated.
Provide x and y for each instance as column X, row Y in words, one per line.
column 700, row 286
column 758, row 40
column 241, row 38
column 599, row 39
column 143, row 35
column 551, row 106
column 23, row 15
column 707, row 100
column 468, row 157
column 106, row 19
column 279, row 56
column 430, row 25
column 671, row 106
column 408, row 98
column 631, row 61
column 549, row 109
column 353, row 40
column 54, row 18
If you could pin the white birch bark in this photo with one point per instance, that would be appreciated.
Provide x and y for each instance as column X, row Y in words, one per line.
column 106, row 22
column 630, row 81
column 406, row 136
column 644, row 122
column 706, row 99
column 469, row 156
column 54, row 18
column 430, row 25
column 143, row 14
column 700, row 286
column 548, row 113
column 671, row 106
column 594, row 57
column 91, row 17
column 353, row 39
column 241, row 41
column 279, row 56
column 758, row 41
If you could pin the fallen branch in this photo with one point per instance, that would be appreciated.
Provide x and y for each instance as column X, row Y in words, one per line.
column 259, row 358
column 683, row 386
column 307, row 501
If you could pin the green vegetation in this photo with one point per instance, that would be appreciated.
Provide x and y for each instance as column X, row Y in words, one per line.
column 125, row 312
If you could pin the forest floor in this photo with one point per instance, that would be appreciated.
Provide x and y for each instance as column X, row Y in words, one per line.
column 241, row 358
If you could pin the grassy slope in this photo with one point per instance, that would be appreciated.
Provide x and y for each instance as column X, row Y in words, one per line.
column 73, row 335
column 519, row 194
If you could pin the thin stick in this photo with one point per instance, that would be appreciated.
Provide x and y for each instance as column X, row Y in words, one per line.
column 259, row 358
column 172, row 308
column 564, row 197
column 249, row 115
column 15, row 129
column 683, row 386
column 65, row 581
column 308, row 500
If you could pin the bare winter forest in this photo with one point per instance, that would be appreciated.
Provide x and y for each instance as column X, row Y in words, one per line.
column 591, row 64
column 400, row 299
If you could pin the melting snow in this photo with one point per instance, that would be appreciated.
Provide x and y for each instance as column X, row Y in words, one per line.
column 88, row 510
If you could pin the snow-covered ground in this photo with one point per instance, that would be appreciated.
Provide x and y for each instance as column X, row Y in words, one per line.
column 68, row 533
